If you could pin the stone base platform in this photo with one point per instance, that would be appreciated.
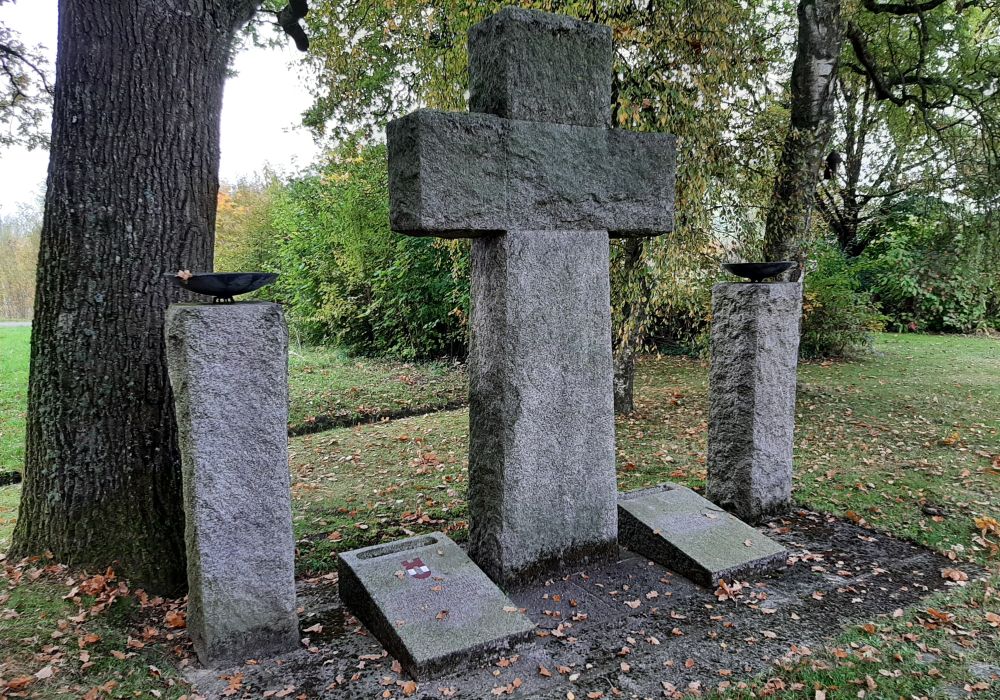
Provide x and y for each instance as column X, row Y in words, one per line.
column 675, row 527
column 428, row 603
column 839, row 574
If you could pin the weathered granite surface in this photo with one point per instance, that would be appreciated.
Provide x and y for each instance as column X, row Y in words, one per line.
column 541, row 67
column 428, row 603
column 228, row 369
column 755, row 343
column 456, row 175
column 674, row 526
column 542, row 443
column 538, row 182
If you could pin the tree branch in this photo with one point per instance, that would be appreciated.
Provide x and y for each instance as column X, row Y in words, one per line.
column 901, row 8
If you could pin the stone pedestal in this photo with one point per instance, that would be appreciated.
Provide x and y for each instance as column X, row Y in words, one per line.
column 755, row 344
column 228, row 368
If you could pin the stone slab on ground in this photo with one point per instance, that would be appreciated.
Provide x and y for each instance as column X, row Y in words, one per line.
column 674, row 526
column 856, row 574
column 228, row 367
column 428, row 603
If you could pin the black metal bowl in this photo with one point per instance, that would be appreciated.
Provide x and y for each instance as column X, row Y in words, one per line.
column 757, row 272
column 225, row 285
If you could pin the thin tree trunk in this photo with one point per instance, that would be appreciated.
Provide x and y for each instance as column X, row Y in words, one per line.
column 817, row 54
column 132, row 183
column 635, row 290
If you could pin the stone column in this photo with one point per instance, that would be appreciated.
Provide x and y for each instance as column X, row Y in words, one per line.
column 541, row 421
column 228, row 368
column 755, row 344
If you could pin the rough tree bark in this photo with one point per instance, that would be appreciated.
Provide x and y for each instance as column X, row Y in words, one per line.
column 132, row 184
column 814, row 72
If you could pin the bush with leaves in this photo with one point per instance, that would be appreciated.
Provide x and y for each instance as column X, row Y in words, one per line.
column 838, row 315
column 933, row 269
column 346, row 278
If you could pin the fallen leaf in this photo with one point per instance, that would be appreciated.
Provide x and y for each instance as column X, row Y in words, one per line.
column 175, row 619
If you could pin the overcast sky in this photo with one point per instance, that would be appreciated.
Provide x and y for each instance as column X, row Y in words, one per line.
column 260, row 112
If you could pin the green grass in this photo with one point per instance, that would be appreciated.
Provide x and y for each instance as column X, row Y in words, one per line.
column 14, row 349
column 101, row 654
column 329, row 388
column 10, row 496
column 914, row 428
column 906, row 441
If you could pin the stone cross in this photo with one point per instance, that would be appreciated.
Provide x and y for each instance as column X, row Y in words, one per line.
column 538, row 179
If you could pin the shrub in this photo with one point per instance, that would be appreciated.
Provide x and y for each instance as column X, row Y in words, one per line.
column 838, row 316
column 931, row 271
column 346, row 278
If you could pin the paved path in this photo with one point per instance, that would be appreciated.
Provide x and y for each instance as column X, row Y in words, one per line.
column 14, row 324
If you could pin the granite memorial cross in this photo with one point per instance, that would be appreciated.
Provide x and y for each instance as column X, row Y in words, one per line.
column 537, row 178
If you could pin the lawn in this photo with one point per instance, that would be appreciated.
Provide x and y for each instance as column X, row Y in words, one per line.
column 907, row 442
column 327, row 389
column 14, row 348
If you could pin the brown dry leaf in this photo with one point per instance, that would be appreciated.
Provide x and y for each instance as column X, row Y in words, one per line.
column 175, row 619
column 993, row 619
column 633, row 603
column 19, row 683
column 409, row 687
column 625, row 667
column 954, row 575
column 233, row 684
column 45, row 672
column 938, row 615
column 443, row 615
column 542, row 671
column 87, row 640
column 987, row 525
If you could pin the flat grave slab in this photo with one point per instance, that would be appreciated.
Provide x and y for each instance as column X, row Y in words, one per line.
column 675, row 527
column 428, row 603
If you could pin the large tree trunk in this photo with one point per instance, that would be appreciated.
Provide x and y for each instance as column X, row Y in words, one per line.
column 814, row 72
column 132, row 183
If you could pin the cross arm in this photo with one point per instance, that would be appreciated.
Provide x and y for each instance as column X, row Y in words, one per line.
column 468, row 175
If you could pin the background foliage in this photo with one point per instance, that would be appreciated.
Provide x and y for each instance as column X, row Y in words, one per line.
column 19, row 234
column 345, row 277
